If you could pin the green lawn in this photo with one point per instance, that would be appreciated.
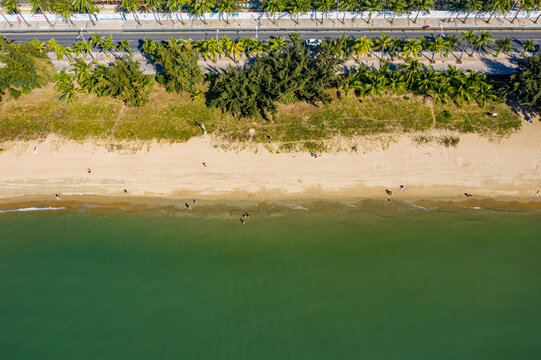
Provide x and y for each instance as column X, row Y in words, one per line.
column 300, row 126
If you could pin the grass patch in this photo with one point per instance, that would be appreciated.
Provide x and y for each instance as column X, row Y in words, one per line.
column 298, row 126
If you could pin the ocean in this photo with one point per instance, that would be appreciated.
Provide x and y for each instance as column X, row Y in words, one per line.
column 324, row 281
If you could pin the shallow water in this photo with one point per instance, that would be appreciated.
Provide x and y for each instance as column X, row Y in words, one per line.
column 289, row 284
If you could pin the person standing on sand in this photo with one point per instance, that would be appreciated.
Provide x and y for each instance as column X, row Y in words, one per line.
column 468, row 195
column 402, row 187
column 88, row 170
column 57, row 197
column 389, row 192
column 35, row 150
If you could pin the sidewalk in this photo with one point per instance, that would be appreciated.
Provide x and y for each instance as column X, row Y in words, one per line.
column 114, row 21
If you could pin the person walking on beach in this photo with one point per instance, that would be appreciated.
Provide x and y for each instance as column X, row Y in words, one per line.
column 126, row 191
column 468, row 195
column 187, row 206
column 57, row 197
column 35, row 150
column 354, row 148
column 402, row 187
column 88, row 170
column 205, row 164
column 389, row 192
column 242, row 221
column 194, row 202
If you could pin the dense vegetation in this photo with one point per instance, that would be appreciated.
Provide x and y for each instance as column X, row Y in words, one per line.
column 526, row 83
column 123, row 80
column 25, row 67
column 294, row 7
column 287, row 75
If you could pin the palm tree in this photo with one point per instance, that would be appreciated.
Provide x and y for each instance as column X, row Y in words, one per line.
column 227, row 8
column 52, row 44
column 82, row 70
column 258, row 48
column 383, row 43
column 38, row 7
column 422, row 6
column 232, row 48
column 427, row 80
column 398, row 6
column 85, row 7
column 176, row 6
column 60, row 50
column 132, row 6
column 108, row 45
column 503, row 45
column 411, row 49
column 124, row 46
column 64, row 9
column 4, row 16
column 412, row 72
column 483, row 40
column 65, row 86
column 346, row 6
column 275, row 45
column 437, row 46
column 528, row 45
column 468, row 7
column 213, row 49
column 371, row 6
column 470, row 37
column 96, row 40
column 200, row 7
column 271, row 7
column 361, row 47
column 395, row 46
column 154, row 6
column 324, row 6
column 295, row 8
column 12, row 7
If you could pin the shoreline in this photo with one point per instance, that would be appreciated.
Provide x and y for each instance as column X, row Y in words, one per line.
column 508, row 169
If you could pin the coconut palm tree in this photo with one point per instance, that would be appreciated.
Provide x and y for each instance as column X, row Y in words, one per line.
column 82, row 70
column 427, row 80
column 411, row 49
column 176, row 6
column 96, row 40
column 38, row 7
column 124, row 46
column 325, row 6
column 3, row 15
column 271, row 7
column 483, row 40
column 295, row 8
column 371, row 6
column 108, row 45
column 232, row 48
column 200, row 7
column 64, row 9
column 503, row 45
column 227, row 8
column 132, row 6
column 275, row 45
column 65, row 86
column 383, row 43
column 398, row 7
column 258, row 48
column 528, row 45
column 12, row 7
column 395, row 47
column 52, row 44
column 438, row 46
column 347, row 6
column 154, row 6
column 421, row 6
column 213, row 49
column 361, row 47
column 470, row 37
column 85, row 7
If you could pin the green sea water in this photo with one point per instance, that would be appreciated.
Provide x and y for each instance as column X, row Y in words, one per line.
column 83, row 284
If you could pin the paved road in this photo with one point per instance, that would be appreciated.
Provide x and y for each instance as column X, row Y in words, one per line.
column 137, row 37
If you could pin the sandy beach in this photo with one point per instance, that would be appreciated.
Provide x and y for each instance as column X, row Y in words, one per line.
column 507, row 169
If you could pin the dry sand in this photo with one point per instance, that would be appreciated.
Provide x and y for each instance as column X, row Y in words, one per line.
column 508, row 168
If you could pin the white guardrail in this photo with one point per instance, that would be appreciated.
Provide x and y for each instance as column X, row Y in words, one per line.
column 146, row 16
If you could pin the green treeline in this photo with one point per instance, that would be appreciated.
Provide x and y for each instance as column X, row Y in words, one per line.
column 294, row 7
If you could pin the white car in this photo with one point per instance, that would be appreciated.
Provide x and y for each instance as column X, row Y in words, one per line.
column 313, row 42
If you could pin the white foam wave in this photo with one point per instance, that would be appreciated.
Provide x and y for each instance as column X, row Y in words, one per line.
column 32, row 209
